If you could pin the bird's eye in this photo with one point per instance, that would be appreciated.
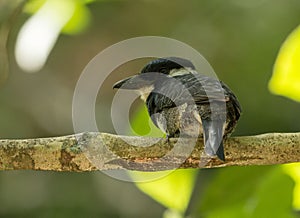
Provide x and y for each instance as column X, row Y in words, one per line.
column 163, row 70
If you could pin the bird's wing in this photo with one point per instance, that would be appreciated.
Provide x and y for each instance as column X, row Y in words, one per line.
column 189, row 88
column 203, row 88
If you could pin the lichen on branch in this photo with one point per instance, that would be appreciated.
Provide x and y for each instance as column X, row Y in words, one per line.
column 102, row 151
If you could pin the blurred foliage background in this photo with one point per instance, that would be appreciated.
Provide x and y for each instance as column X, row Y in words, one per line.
column 241, row 40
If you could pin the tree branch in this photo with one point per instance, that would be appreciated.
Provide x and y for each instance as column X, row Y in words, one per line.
column 102, row 151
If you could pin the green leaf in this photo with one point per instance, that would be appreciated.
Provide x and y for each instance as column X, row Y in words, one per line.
column 275, row 189
column 80, row 19
column 285, row 80
column 173, row 191
column 143, row 126
column 33, row 6
column 263, row 191
column 293, row 170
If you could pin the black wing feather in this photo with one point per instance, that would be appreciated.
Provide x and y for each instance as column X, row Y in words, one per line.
column 189, row 88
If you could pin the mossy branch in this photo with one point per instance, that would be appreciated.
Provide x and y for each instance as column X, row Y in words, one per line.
column 102, row 151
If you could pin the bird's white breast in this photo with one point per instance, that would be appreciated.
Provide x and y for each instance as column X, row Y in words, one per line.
column 145, row 91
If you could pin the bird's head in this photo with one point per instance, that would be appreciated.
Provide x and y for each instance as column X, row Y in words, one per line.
column 155, row 71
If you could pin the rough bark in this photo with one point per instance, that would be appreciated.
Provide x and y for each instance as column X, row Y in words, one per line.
column 102, row 151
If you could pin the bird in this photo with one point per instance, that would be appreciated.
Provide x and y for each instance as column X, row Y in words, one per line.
column 185, row 103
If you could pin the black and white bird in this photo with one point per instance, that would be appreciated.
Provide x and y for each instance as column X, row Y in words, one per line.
column 184, row 103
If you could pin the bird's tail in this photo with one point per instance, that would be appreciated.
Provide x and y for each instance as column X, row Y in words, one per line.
column 213, row 138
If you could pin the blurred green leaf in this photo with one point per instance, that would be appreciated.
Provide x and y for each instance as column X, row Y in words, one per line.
column 33, row 6
column 275, row 189
column 294, row 171
column 248, row 192
column 50, row 18
column 173, row 191
column 285, row 80
column 142, row 124
column 79, row 21
column 172, row 214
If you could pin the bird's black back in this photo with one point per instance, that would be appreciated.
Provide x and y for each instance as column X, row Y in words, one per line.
column 188, row 88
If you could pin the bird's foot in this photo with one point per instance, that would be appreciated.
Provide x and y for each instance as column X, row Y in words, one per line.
column 168, row 138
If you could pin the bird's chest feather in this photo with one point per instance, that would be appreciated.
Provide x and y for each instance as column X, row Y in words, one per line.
column 183, row 120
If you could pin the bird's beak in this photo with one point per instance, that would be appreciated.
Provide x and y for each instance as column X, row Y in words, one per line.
column 134, row 82
column 121, row 83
